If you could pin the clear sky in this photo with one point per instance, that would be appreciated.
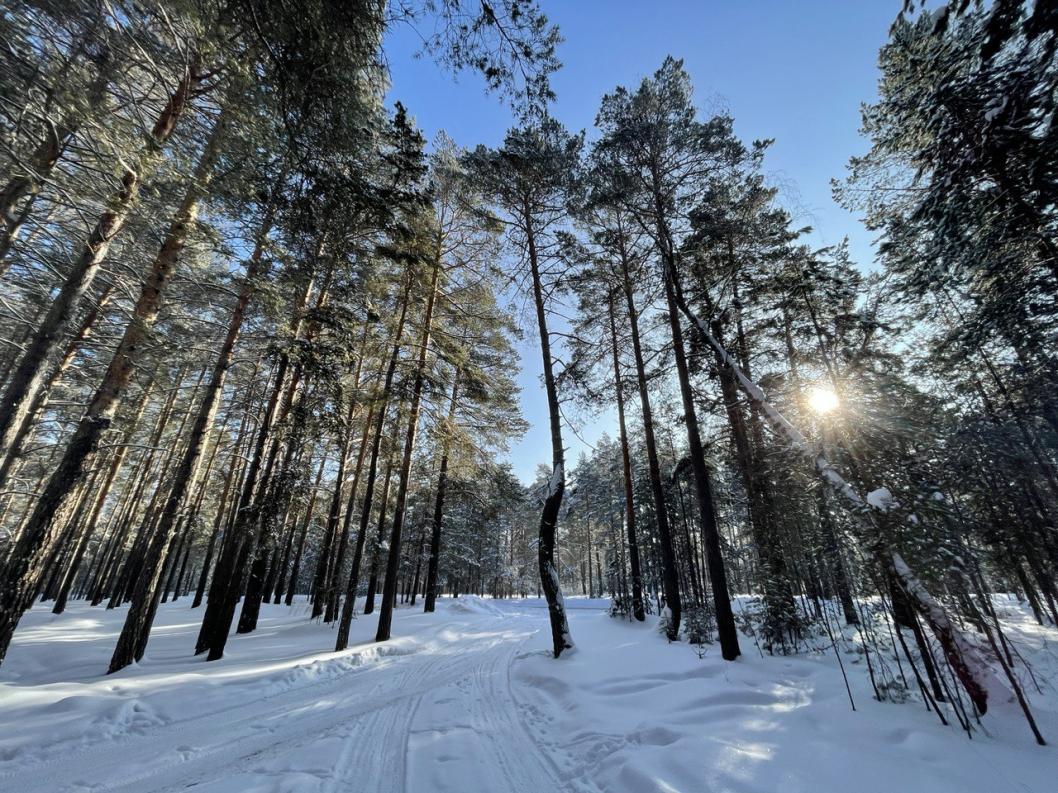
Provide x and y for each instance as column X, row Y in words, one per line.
column 793, row 70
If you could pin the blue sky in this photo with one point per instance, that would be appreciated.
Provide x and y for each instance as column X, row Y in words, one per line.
column 793, row 70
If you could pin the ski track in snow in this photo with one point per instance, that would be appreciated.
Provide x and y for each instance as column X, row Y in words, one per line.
column 356, row 730
column 469, row 700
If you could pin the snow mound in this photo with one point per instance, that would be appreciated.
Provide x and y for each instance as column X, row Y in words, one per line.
column 461, row 700
column 472, row 604
column 630, row 712
column 882, row 499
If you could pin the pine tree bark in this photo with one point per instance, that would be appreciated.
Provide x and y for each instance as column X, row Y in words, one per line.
column 130, row 349
column 545, row 557
column 326, row 562
column 24, row 187
column 29, row 376
column 626, row 471
column 430, row 599
column 725, row 618
column 389, row 588
column 238, row 545
column 306, row 521
column 22, row 431
column 380, row 533
column 277, row 498
column 40, row 532
column 102, row 492
column 669, row 576
column 780, row 614
column 333, row 589
column 349, row 606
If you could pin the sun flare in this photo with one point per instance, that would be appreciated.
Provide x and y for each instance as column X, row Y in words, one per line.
column 822, row 400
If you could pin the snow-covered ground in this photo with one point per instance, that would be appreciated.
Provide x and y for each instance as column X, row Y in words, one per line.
column 468, row 699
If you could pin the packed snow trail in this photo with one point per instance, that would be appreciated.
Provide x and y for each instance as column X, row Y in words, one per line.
column 433, row 714
column 469, row 699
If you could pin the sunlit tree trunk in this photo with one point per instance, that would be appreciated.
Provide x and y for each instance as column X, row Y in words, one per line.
column 29, row 376
column 24, row 187
column 382, row 401
column 437, row 523
column 389, row 588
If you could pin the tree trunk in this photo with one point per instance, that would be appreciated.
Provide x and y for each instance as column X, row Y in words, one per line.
column 24, row 187
column 780, row 614
column 376, row 546
column 333, row 591
column 389, row 588
column 973, row 673
column 349, row 606
column 661, row 517
column 324, row 568
column 725, row 619
column 103, row 491
column 439, row 503
column 29, row 376
column 545, row 556
column 626, row 470
column 22, row 431
column 237, row 547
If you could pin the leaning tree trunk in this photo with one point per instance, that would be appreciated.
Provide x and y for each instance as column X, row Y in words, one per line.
column 88, row 529
column 224, row 505
column 39, row 534
column 30, row 375
column 136, row 333
column 545, row 557
column 20, row 433
column 973, row 672
column 25, row 186
column 227, row 582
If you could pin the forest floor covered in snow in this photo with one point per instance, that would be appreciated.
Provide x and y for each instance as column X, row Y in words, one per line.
column 469, row 699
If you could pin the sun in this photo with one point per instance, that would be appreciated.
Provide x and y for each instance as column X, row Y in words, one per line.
column 822, row 400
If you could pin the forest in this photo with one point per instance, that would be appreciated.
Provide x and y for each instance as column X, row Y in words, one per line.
column 259, row 356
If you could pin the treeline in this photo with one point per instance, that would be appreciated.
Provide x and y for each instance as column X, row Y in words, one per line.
column 870, row 448
column 258, row 341
column 252, row 335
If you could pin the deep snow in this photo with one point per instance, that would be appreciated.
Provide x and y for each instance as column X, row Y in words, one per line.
column 469, row 699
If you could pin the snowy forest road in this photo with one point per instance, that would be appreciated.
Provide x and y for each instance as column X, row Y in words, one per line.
column 438, row 715
column 469, row 699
